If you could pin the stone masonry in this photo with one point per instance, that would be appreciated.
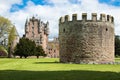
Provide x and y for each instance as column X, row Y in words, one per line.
column 86, row 41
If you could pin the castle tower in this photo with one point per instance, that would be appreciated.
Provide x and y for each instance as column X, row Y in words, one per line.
column 86, row 41
column 37, row 31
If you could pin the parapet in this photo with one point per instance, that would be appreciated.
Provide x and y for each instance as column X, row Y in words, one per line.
column 94, row 16
column 67, row 18
column 84, row 16
column 74, row 17
column 103, row 18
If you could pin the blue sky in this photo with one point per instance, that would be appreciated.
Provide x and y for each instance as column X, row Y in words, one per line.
column 16, row 7
column 111, row 2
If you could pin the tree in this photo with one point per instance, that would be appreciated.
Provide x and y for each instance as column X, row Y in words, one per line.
column 25, row 48
column 117, row 45
column 5, row 28
column 11, row 38
column 39, row 51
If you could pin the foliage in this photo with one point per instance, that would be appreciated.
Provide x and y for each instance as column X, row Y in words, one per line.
column 39, row 51
column 12, row 35
column 117, row 45
column 25, row 48
column 5, row 29
column 5, row 26
column 11, row 38
column 3, row 51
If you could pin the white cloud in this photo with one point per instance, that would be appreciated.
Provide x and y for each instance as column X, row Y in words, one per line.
column 5, row 6
column 52, row 13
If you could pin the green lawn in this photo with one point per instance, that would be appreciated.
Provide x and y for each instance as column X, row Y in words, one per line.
column 51, row 69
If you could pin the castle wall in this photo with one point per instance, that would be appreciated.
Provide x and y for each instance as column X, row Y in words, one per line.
column 85, row 41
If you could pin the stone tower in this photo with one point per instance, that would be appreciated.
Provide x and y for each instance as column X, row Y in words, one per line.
column 86, row 41
column 37, row 31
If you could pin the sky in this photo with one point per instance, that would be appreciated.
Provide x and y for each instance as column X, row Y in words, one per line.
column 51, row 10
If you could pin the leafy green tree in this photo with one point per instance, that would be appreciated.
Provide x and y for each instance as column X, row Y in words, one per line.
column 11, row 38
column 25, row 48
column 39, row 51
column 5, row 26
column 117, row 45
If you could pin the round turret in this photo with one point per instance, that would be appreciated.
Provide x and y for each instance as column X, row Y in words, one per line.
column 86, row 41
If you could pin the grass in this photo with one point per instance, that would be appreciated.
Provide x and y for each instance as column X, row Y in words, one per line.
column 51, row 69
column 117, row 59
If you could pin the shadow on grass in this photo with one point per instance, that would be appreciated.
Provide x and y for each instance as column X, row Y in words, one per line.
column 57, row 75
column 46, row 62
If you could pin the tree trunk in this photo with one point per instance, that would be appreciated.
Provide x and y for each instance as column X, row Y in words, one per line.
column 37, row 57
column 25, row 57
column 20, row 56
column 9, row 53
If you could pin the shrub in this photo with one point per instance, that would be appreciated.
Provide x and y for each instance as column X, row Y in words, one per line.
column 39, row 51
column 3, row 51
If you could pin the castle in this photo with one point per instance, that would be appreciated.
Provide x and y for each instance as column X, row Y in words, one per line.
column 53, row 48
column 86, row 41
column 37, row 31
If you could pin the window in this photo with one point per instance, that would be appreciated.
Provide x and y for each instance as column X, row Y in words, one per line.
column 64, row 30
column 106, row 29
column 32, row 27
column 40, row 42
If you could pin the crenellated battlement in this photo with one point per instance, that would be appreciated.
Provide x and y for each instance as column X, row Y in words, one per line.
column 94, row 18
